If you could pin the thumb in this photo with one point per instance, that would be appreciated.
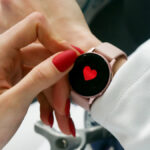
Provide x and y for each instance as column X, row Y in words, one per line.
column 44, row 75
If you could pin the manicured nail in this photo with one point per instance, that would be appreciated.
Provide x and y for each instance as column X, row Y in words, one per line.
column 78, row 49
column 67, row 107
column 64, row 60
column 51, row 119
column 72, row 128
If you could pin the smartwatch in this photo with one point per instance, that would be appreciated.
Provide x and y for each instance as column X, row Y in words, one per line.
column 92, row 73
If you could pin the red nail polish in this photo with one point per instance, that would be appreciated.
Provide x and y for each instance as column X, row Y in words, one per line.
column 51, row 119
column 64, row 60
column 72, row 128
column 78, row 49
column 67, row 107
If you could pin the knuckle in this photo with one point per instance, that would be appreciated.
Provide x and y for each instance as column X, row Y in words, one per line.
column 37, row 17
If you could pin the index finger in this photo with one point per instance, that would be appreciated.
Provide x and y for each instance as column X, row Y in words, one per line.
column 35, row 26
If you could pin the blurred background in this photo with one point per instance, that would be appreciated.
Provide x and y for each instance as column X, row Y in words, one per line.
column 124, row 23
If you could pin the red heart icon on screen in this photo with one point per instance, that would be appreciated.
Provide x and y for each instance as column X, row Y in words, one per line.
column 88, row 73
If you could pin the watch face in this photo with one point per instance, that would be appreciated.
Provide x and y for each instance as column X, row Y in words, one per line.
column 90, row 74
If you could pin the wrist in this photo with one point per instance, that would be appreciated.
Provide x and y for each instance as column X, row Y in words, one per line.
column 86, row 40
column 83, row 38
column 119, row 62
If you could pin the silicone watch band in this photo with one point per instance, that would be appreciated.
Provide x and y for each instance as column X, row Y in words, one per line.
column 109, row 51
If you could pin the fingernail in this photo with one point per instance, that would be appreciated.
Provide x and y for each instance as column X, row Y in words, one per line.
column 78, row 49
column 51, row 119
column 67, row 107
column 64, row 60
column 72, row 128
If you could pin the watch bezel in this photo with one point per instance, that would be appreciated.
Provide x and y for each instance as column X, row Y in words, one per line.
column 91, row 98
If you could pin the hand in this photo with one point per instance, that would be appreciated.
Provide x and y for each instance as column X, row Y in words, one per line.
column 21, row 77
column 68, row 23
column 64, row 16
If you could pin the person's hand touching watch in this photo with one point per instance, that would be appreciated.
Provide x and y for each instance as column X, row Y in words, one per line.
column 68, row 23
column 65, row 17
column 21, row 77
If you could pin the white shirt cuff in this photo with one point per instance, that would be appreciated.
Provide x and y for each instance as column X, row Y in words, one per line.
column 124, row 109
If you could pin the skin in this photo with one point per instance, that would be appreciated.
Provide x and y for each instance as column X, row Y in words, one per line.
column 18, row 88
column 66, row 22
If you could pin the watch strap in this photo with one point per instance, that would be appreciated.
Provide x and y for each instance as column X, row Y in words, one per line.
column 109, row 51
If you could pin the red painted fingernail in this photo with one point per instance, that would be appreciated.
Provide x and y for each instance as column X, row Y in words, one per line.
column 64, row 60
column 51, row 119
column 72, row 128
column 67, row 107
column 78, row 49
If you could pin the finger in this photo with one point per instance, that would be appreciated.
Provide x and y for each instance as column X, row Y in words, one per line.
column 61, row 101
column 34, row 26
column 44, row 75
column 46, row 111
column 9, row 14
column 48, row 94
column 66, row 124
column 34, row 54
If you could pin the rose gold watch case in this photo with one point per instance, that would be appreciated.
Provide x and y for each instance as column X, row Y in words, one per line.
column 110, row 54
column 86, row 101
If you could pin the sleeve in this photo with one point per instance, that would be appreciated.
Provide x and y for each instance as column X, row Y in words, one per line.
column 124, row 109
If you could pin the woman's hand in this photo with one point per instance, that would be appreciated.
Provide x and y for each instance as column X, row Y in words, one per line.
column 64, row 16
column 68, row 23
column 23, row 77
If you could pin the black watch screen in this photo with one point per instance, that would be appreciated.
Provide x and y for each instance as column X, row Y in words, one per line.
column 90, row 74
